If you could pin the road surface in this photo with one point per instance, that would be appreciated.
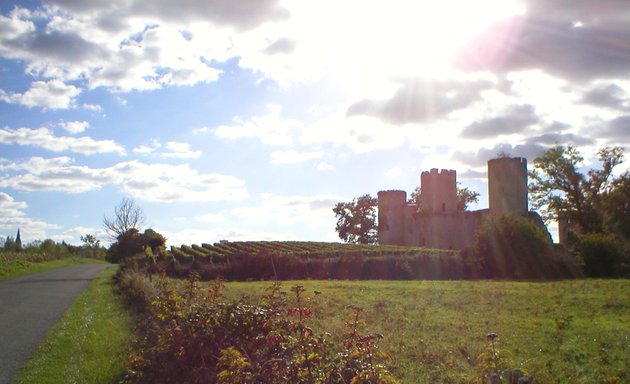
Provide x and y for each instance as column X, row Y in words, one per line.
column 29, row 307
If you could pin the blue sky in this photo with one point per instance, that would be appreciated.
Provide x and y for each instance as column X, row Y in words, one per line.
column 250, row 119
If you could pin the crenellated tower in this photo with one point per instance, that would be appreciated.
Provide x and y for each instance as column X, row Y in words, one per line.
column 439, row 191
column 507, row 185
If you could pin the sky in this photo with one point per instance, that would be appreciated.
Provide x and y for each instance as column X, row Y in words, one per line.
column 250, row 119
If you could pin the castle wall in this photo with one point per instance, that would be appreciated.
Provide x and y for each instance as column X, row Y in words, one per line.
column 507, row 185
column 439, row 225
column 444, row 231
column 391, row 217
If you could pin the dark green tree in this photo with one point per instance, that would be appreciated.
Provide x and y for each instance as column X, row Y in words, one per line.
column 356, row 220
column 133, row 243
column 153, row 240
column 559, row 188
column 90, row 241
column 9, row 244
column 510, row 246
column 616, row 207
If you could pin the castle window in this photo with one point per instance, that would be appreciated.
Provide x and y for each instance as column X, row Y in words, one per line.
column 443, row 207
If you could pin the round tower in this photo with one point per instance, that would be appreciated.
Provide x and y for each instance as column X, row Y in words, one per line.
column 507, row 185
column 391, row 217
column 439, row 191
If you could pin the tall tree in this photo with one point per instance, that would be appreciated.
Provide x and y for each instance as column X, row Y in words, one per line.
column 127, row 216
column 356, row 220
column 559, row 188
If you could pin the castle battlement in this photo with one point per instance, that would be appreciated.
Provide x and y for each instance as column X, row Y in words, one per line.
column 442, row 225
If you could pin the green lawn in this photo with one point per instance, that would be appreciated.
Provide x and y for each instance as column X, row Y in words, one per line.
column 14, row 267
column 91, row 342
column 573, row 331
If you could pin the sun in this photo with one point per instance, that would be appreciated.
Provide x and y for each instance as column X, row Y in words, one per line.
column 397, row 37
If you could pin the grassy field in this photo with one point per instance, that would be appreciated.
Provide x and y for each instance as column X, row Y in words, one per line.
column 91, row 342
column 12, row 266
column 573, row 331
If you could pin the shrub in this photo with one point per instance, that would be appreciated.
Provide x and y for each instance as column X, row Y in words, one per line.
column 195, row 337
column 602, row 255
column 510, row 246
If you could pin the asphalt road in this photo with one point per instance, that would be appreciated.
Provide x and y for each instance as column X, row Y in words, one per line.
column 29, row 307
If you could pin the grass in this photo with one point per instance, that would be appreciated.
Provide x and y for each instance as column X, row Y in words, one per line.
column 91, row 342
column 14, row 267
column 573, row 331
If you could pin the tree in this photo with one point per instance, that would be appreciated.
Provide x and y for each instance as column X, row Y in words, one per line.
column 90, row 241
column 356, row 220
column 465, row 197
column 558, row 188
column 9, row 244
column 617, row 207
column 512, row 246
column 127, row 216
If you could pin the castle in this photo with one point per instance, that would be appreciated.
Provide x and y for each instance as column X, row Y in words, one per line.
column 439, row 224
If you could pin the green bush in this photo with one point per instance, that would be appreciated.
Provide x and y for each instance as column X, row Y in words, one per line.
column 602, row 255
column 508, row 246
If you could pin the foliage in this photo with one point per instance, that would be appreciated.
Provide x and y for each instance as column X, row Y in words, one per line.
column 465, row 197
column 602, row 255
column 132, row 243
column 197, row 337
column 127, row 217
column 558, row 188
column 90, row 241
column 356, row 220
column 513, row 247
column 617, row 207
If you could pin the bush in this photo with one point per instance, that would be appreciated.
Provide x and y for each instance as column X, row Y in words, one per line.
column 194, row 337
column 602, row 255
column 508, row 246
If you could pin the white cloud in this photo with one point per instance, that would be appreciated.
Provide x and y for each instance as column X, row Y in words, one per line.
column 179, row 150
column 211, row 218
column 311, row 211
column 359, row 133
column 152, row 182
column 394, row 172
column 324, row 166
column 52, row 94
column 201, row 130
column 153, row 146
column 13, row 216
column 44, row 138
column 172, row 150
column 92, row 107
column 269, row 129
column 75, row 127
column 292, row 156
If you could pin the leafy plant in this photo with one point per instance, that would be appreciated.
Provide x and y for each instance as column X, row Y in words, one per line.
column 197, row 337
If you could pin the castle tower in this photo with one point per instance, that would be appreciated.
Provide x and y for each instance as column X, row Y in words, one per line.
column 439, row 191
column 391, row 217
column 507, row 185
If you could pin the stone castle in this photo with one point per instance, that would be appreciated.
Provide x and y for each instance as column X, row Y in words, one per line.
column 439, row 224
